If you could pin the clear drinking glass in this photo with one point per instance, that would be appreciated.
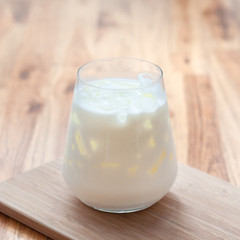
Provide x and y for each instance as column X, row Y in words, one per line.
column 119, row 155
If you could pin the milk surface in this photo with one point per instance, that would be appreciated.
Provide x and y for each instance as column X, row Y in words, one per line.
column 120, row 153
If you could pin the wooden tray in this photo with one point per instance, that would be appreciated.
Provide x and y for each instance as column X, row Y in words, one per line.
column 198, row 206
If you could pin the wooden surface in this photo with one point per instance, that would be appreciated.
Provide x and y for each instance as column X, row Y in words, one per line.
column 42, row 43
column 198, row 206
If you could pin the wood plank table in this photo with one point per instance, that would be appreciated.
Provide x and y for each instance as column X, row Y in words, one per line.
column 42, row 44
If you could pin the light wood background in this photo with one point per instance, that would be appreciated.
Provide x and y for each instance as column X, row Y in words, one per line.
column 43, row 42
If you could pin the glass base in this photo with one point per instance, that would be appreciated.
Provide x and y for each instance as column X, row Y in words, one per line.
column 131, row 210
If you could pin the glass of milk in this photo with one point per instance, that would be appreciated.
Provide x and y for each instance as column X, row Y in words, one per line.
column 119, row 155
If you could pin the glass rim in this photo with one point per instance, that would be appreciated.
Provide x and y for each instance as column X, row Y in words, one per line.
column 81, row 68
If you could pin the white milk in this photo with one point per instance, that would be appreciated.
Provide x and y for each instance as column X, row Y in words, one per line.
column 120, row 154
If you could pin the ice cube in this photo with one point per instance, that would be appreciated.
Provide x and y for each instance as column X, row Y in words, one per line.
column 145, row 79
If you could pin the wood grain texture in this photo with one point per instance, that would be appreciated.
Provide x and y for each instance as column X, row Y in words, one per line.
column 198, row 206
column 42, row 43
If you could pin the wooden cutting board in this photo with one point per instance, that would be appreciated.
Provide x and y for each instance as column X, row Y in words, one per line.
column 198, row 206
